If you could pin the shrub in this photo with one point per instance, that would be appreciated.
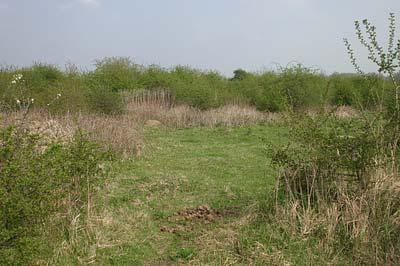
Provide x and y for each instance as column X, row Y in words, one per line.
column 338, row 181
column 197, row 89
column 44, row 73
column 42, row 83
column 363, row 92
column 114, row 74
column 74, row 96
column 239, row 74
column 324, row 152
column 302, row 87
column 39, row 82
column 343, row 90
column 336, row 186
column 155, row 77
column 37, row 181
column 272, row 97
column 102, row 100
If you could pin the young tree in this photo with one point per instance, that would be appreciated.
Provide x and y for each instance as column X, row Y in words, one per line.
column 388, row 63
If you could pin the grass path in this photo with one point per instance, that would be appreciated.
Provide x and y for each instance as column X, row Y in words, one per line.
column 152, row 216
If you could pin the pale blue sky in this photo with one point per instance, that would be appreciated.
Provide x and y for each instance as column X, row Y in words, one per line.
column 220, row 35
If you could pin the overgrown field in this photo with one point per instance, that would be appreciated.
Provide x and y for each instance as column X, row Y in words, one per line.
column 192, row 195
column 133, row 165
column 188, row 198
column 91, row 174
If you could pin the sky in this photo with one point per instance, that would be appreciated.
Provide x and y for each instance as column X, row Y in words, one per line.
column 221, row 35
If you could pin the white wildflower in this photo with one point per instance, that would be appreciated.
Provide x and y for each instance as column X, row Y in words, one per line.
column 17, row 78
column 18, row 101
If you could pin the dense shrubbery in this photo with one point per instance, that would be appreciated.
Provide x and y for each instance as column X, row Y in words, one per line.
column 292, row 88
column 364, row 92
column 337, row 187
column 37, row 181
column 339, row 182
column 114, row 74
column 324, row 152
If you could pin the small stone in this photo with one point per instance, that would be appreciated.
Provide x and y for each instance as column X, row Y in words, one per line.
column 153, row 123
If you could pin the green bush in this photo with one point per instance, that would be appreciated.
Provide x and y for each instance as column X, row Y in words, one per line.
column 37, row 181
column 40, row 82
column 114, row 74
column 239, row 74
column 323, row 152
column 74, row 96
column 302, row 87
column 336, row 184
column 44, row 73
column 195, row 88
column 102, row 100
column 372, row 90
column 272, row 97
column 343, row 92
column 365, row 92
column 155, row 77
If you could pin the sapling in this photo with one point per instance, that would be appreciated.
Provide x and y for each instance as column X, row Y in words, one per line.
column 388, row 63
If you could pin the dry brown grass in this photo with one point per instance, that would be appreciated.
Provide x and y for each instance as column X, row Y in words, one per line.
column 160, row 97
column 119, row 132
column 345, row 111
column 366, row 224
column 340, row 112
column 183, row 116
column 223, row 245
column 123, row 132
column 159, row 105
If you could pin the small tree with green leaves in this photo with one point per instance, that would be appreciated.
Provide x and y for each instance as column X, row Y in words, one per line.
column 240, row 74
column 388, row 63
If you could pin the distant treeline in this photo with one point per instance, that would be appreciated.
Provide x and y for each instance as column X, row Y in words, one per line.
column 293, row 88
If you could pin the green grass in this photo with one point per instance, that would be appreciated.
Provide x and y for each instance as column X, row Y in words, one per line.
column 224, row 168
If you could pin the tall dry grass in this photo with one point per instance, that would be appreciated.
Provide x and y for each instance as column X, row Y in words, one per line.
column 338, row 189
column 160, row 97
column 364, row 226
column 118, row 132
column 158, row 106
column 79, row 225
column 123, row 132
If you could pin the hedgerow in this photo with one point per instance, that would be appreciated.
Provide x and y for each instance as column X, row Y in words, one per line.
column 292, row 88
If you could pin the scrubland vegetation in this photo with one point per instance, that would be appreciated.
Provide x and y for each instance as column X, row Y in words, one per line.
column 102, row 90
column 135, row 165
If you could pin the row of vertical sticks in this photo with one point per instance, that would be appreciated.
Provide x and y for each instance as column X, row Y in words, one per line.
column 160, row 97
